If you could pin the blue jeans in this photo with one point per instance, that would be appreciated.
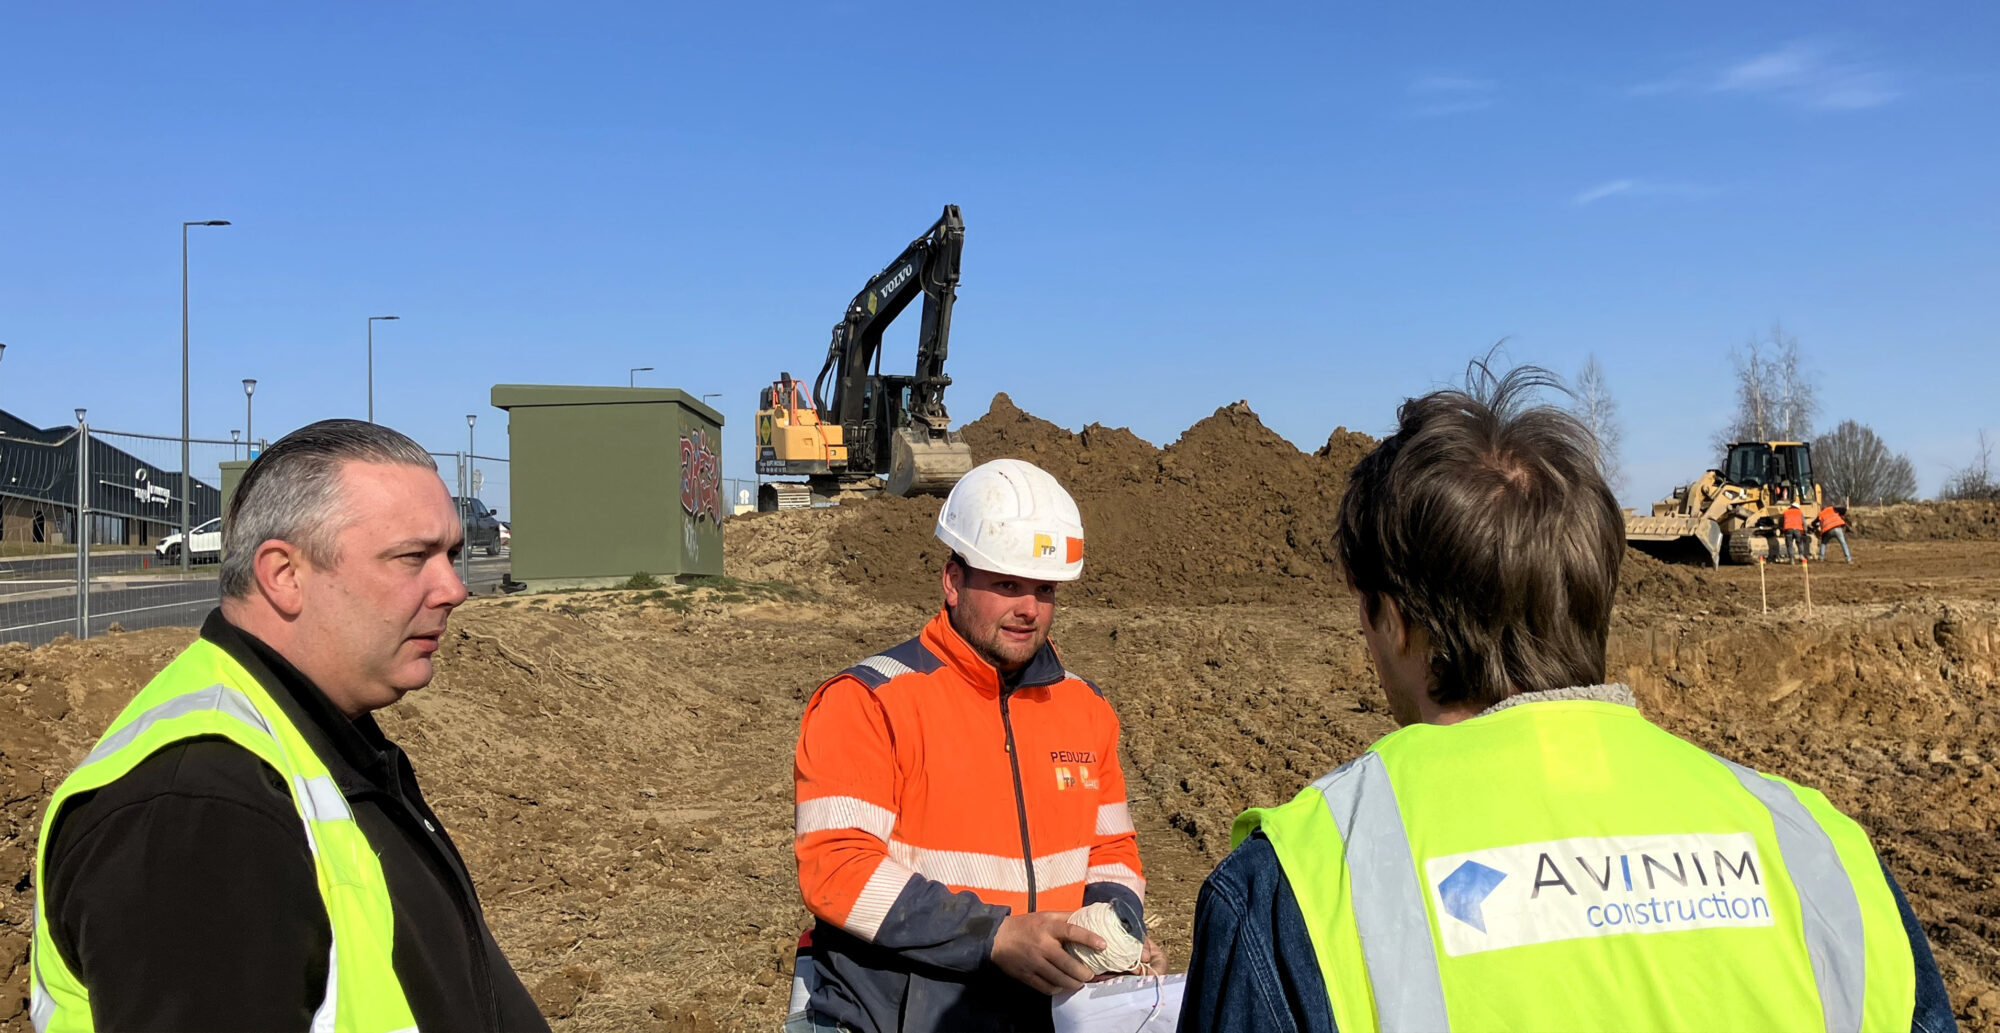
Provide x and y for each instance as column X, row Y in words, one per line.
column 1841, row 534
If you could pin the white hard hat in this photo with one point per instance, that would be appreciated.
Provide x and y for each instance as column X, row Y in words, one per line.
column 1011, row 517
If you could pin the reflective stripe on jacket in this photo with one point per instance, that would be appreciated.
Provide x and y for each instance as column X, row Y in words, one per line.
column 931, row 803
column 206, row 693
column 1569, row 865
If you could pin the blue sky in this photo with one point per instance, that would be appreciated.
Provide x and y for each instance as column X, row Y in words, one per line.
column 1318, row 208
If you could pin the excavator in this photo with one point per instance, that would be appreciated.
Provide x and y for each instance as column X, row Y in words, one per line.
column 1730, row 515
column 859, row 431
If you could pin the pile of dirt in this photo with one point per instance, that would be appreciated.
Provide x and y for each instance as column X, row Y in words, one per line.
column 1230, row 513
column 1928, row 521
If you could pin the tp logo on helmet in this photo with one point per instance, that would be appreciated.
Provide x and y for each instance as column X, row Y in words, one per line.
column 1010, row 517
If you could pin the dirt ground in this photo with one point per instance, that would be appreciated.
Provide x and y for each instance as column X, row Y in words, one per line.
column 616, row 766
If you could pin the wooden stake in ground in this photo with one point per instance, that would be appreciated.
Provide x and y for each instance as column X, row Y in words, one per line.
column 1761, row 589
column 1805, row 565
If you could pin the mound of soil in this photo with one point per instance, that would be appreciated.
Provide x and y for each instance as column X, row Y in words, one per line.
column 1928, row 521
column 1230, row 513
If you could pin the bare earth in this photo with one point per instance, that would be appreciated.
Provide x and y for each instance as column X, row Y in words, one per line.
column 616, row 766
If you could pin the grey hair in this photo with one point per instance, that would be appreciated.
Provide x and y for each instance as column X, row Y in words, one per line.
column 292, row 493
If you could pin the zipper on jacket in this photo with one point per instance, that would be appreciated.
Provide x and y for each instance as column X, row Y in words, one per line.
column 1020, row 798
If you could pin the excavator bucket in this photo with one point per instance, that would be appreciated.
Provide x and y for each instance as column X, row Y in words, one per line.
column 920, row 464
column 1674, row 538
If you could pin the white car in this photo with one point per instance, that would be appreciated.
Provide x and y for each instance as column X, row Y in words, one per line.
column 207, row 544
column 506, row 535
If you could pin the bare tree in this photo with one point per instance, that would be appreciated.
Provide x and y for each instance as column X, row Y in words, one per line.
column 1776, row 398
column 1592, row 404
column 1974, row 480
column 1853, row 465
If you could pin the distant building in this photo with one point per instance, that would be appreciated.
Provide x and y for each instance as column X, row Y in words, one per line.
column 131, row 502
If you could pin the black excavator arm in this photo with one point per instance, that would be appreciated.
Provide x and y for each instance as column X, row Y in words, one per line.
column 851, row 389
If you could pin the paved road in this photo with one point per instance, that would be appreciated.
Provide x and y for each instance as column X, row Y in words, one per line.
column 37, row 610
column 37, row 568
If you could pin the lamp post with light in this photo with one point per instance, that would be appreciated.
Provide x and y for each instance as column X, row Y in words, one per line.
column 249, row 386
column 631, row 376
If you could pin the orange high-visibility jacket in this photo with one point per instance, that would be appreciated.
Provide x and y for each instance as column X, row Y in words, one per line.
column 1830, row 518
column 1794, row 519
column 931, row 803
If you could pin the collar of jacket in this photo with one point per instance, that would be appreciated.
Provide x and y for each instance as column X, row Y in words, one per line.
column 1609, row 692
column 356, row 753
column 1042, row 670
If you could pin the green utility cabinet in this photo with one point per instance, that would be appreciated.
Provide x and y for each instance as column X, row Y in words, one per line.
column 232, row 475
column 611, row 481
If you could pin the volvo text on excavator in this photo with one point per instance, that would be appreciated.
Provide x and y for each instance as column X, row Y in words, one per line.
column 859, row 430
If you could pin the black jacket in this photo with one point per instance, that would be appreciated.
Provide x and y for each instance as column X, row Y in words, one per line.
column 184, row 896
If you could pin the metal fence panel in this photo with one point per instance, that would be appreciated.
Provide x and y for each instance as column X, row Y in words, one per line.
column 140, row 571
column 39, row 546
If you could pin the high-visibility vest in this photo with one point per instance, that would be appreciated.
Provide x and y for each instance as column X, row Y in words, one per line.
column 205, row 692
column 1830, row 518
column 1568, row 865
column 1794, row 519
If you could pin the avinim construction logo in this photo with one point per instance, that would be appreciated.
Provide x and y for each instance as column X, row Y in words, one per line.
column 1569, row 888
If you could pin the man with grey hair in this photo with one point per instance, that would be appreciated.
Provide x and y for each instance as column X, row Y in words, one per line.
column 244, row 848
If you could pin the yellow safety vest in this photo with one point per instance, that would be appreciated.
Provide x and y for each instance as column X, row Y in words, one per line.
column 1569, row 865
column 205, row 692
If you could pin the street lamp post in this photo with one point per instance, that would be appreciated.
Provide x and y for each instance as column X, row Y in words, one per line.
column 465, row 514
column 249, row 386
column 187, row 493
column 711, row 394
column 371, row 362
column 632, row 376
column 234, row 440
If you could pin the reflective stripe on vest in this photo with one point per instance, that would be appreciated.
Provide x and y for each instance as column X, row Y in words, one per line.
column 1354, row 848
column 362, row 993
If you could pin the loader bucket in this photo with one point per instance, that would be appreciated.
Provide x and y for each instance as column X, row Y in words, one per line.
column 1676, row 539
column 920, row 464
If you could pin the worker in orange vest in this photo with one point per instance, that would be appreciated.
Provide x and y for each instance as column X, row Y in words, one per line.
column 1830, row 522
column 1793, row 527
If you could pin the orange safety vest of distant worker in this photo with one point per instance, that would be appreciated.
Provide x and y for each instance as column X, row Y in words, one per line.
column 1795, row 519
column 1830, row 519
column 916, row 763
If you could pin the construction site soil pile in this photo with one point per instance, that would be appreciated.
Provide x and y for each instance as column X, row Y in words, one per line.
column 1230, row 513
column 1928, row 521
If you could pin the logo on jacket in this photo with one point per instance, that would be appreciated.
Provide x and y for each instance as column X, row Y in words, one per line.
column 1068, row 777
column 1566, row 889
column 1465, row 889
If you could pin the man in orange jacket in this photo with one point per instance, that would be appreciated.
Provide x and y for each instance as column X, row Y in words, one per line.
column 1830, row 522
column 959, row 795
column 1792, row 529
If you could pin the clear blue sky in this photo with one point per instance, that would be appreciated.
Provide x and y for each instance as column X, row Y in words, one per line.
column 1318, row 208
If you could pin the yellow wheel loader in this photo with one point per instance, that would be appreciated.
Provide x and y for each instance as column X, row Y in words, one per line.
column 1731, row 515
column 859, row 432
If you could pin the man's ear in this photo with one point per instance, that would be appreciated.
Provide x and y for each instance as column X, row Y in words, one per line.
column 953, row 580
column 280, row 569
column 1389, row 621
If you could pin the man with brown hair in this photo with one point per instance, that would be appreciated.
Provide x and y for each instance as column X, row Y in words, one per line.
column 1528, row 851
